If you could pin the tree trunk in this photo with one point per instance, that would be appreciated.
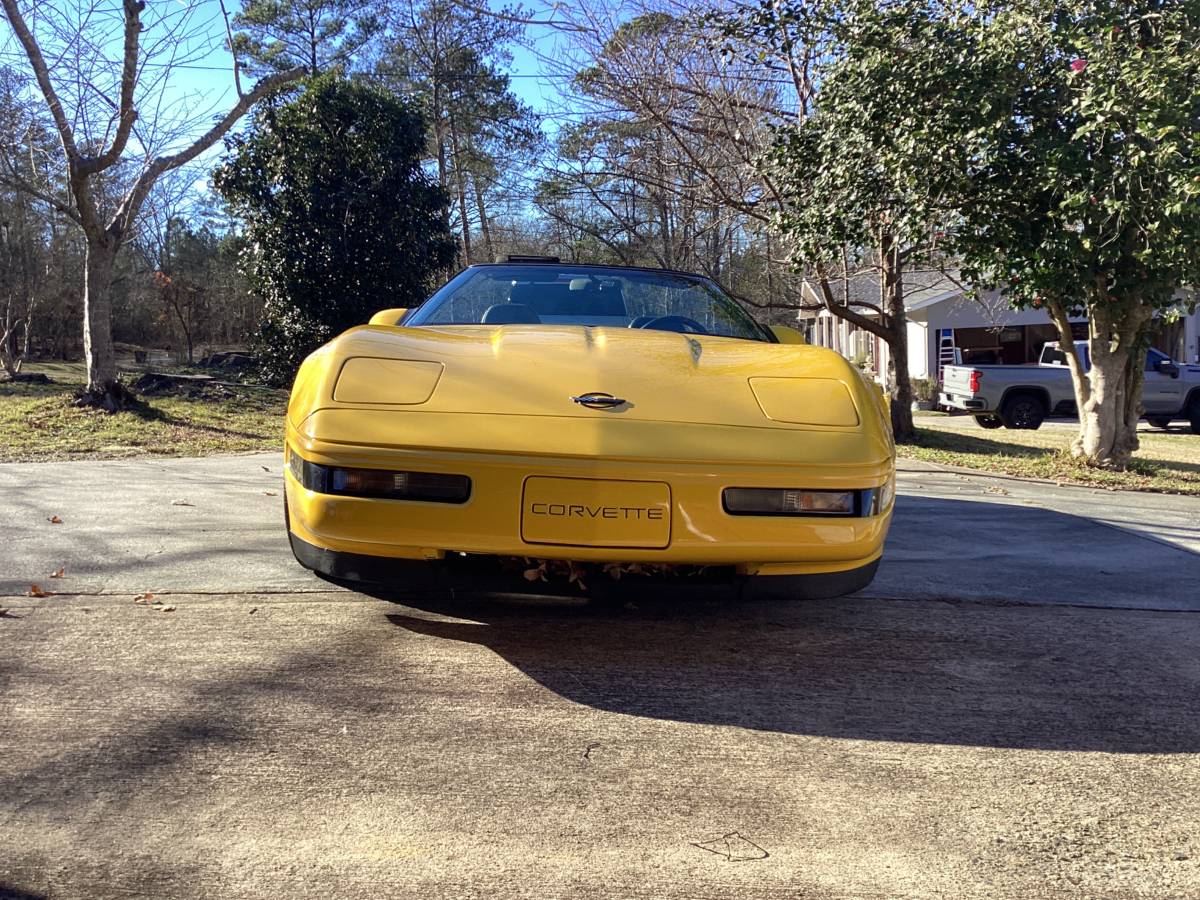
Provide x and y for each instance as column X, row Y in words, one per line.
column 901, row 388
column 102, row 389
column 1109, row 417
column 484, row 226
column 896, row 320
column 97, row 313
column 460, row 189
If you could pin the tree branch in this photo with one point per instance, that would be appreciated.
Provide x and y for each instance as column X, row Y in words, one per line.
column 132, row 204
column 237, row 68
column 845, row 312
column 42, row 74
column 12, row 180
column 126, row 114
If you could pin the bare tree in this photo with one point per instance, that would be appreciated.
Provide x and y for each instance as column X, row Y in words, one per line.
column 664, row 157
column 106, row 140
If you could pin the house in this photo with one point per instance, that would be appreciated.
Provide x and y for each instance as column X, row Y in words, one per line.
column 946, row 325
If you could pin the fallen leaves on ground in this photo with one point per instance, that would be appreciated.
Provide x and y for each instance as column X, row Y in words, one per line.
column 147, row 597
column 181, row 503
column 271, row 493
column 54, row 520
column 35, row 590
column 60, row 573
column 165, row 608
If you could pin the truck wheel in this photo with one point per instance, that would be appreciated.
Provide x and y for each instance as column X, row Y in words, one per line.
column 1158, row 422
column 989, row 421
column 1023, row 411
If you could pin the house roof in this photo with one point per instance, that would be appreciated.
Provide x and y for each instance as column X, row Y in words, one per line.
column 922, row 288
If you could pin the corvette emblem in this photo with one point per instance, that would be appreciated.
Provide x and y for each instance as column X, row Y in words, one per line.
column 598, row 400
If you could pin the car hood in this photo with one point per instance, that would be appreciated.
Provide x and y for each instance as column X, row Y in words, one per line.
column 535, row 371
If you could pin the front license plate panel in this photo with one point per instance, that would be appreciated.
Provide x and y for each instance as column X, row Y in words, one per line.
column 588, row 512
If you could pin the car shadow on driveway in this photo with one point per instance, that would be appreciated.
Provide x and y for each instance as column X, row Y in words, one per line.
column 1018, row 677
column 1014, row 672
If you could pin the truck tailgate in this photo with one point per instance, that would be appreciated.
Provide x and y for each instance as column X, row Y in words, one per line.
column 956, row 379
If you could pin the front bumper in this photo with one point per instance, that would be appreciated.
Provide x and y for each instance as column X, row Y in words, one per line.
column 416, row 576
column 489, row 523
column 967, row 404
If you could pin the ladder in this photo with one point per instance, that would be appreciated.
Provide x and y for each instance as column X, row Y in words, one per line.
column 948, row 354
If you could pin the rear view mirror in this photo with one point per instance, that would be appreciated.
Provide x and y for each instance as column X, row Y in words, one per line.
column 1168, row 367
column 786, row 335
column 388, row 317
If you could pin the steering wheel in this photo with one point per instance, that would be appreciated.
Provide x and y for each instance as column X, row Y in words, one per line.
column 682, row 324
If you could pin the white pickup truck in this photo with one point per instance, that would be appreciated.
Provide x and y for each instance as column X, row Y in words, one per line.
column 1022, row 396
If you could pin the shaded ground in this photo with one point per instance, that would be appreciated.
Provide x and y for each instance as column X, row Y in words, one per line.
column 336, row 745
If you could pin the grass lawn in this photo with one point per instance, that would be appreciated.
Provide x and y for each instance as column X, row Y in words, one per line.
column 1167, row 461
column 38, row 422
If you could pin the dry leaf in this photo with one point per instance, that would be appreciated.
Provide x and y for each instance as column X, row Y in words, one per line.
column 271, row 493
column 143, row 598
column 36, row 591
column 165, row 608
column 60, row 573
column 54, row 520
column 533, row 574
column 575, row 576
column 181, row 503
column 264, row 468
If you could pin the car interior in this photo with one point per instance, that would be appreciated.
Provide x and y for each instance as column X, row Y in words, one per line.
column 535, row 302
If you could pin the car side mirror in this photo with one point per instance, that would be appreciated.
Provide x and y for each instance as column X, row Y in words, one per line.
column 1168, row 367
column 786, row 335
column 388, row 317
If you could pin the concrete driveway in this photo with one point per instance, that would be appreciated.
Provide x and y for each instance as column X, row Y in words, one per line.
column 1009, row 710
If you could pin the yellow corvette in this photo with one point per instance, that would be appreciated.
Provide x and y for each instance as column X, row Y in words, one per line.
column 546, row 418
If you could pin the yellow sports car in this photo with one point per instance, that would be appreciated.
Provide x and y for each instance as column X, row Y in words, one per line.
column 574, row 423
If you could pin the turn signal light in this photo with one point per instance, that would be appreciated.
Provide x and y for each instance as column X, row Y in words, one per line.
column 381, row 484
column 799, row 502
column 973, row 383
column 774, row 502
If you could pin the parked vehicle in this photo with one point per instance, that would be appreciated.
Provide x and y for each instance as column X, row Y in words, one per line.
column 586, row 415
column 1022, row 396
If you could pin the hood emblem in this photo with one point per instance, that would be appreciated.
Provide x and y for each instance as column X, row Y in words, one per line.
column 598, row 400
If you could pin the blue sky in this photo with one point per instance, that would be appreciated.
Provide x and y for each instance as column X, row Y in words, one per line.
column 213, row 76
column 205, row 82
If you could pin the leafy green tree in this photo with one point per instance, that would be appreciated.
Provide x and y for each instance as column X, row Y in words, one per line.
column 1084, row 185
column 848, row 210
column 340, row 215
column 276, row 35
column 1059, row 141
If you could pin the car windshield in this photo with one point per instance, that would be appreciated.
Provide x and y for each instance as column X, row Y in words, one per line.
column 580, row 295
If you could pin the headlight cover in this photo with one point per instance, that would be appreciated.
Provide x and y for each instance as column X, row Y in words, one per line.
column 398, row 382
column 805, row 401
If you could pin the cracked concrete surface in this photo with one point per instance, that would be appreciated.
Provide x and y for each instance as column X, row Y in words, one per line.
column 1009, row 710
